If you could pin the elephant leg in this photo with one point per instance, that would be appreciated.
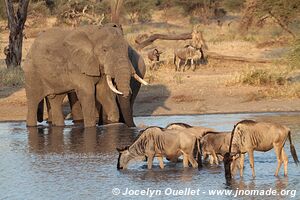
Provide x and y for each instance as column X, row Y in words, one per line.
column 75, row 106
column 49, row 110
column 33, row 101
column 56, row 110
column 86, row 96
column 108, row 101
column 40, row 111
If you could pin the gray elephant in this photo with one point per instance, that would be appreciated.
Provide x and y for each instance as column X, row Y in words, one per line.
column 64, row 60
column 114, row 108
column 111, row 108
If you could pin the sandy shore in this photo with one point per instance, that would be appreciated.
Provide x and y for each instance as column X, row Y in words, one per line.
column 170, row 93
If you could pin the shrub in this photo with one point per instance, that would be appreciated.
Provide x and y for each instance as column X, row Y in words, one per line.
column 11, row 77
column 294, row 55
column 259, row 77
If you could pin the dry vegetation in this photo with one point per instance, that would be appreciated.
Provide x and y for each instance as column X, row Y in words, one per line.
column 219, row 86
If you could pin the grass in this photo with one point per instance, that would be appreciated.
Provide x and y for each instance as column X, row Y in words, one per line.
column 273, row 83
column 11, row 77
column 262, row 77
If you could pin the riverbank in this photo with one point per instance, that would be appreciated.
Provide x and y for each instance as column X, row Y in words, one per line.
column 209, row 89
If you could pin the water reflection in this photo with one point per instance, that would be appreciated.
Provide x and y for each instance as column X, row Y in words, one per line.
column 43, row 140
column 77, row 163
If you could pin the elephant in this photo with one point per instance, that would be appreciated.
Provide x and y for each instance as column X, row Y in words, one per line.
column 112, row 108
column 80, row 60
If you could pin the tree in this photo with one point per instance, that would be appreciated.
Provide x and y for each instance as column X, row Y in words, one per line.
column 16, row 22
column 138, row 10
column 282, row 12
column 203, row 9
column 116, row 7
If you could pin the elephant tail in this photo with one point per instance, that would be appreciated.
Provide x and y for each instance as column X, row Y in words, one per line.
column 40, row 111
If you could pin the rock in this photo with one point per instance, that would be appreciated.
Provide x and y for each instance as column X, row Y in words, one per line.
column 294, row 77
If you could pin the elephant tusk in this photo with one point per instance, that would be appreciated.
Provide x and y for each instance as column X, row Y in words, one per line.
column 139, row 79
column 111, row 85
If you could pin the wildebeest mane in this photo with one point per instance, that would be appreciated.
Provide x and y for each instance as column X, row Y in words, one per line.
column 143, row 138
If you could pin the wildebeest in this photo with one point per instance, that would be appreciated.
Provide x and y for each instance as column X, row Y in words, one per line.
column 197, row 131
column 187, row 53
column 214, row 144
column 154, row 56
column 157, row 142
column 250, row 136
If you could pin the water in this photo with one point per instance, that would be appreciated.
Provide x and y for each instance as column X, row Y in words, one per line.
column 77, row 163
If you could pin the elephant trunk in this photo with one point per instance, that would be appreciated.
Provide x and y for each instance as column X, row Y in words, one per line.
column 126, row 110
column 123, row 77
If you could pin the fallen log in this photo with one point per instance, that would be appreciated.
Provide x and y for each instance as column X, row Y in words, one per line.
column 188, row 36
column 216, row 56
column 152, row 38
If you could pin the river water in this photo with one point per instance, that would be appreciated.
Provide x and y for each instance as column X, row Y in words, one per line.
column 77, row 163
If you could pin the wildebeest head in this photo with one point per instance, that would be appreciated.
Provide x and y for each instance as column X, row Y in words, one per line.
column 124, row 157
column 157, row 53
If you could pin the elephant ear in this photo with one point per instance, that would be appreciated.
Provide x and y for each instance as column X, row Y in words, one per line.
column 81, row 52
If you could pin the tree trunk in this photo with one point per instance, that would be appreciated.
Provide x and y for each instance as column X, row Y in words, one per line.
column 282, row 25
column 16, row 24
column 116, row 6
column 152, row 38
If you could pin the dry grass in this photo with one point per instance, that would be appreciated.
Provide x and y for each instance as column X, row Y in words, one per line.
column 185, row 98
column 11, row 77
column 272, row 82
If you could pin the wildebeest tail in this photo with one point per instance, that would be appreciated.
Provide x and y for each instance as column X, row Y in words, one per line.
column 292, row 149
column 199, row 153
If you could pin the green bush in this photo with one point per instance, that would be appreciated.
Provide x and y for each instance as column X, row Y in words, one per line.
column 11, row 77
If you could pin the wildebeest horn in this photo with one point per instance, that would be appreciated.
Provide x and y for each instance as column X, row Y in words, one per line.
column 111, row 85
column 139, row 79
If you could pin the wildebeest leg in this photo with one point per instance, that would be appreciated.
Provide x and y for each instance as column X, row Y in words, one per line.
column 192, row 161
column 185, row 64
column 278, row 150
column 193, row 65
column 285, row 161
column 177, row 65
column 211, row 159
column 215, row 158
column 161, row 162
column 150, row 160
column 233, row 167
column 185, row 160
column 251, row 159
column 242, row 160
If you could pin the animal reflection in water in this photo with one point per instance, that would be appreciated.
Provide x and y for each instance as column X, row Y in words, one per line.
column 61, row 140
